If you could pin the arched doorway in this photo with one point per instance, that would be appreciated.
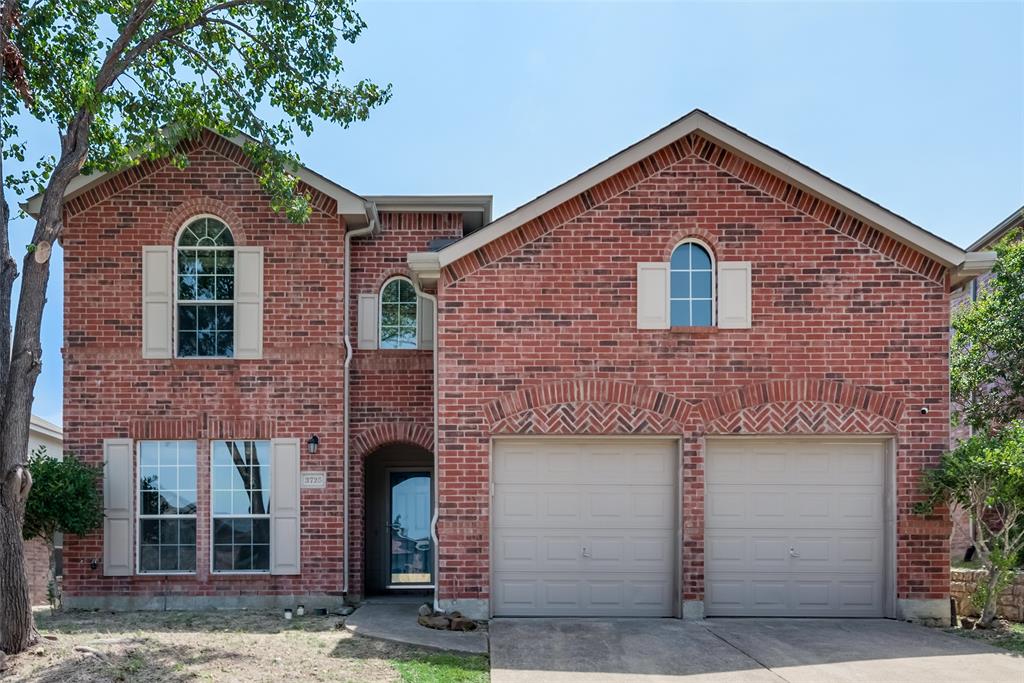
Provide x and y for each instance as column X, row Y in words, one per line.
column 399, row 551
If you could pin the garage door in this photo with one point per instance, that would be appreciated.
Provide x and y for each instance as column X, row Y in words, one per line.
column 794, row 528
column 584, row 527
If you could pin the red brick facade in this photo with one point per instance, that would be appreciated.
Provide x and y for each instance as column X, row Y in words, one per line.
column 850, row 335
column 537, row 335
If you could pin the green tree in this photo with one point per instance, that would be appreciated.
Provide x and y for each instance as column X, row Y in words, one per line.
column 984, row 475
column 64, row 499
column 987, row 358
column 120, row 81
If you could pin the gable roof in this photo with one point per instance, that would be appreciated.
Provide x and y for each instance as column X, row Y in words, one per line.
column 735, row 141
column 1014, row 220
column 350, row 205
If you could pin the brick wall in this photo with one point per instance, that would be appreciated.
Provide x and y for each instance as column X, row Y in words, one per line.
column 294, row 391
column 392, row 390
column 538, row 335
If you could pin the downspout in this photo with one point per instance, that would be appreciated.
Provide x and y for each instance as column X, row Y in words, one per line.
column 436, row 475
column 369, row 229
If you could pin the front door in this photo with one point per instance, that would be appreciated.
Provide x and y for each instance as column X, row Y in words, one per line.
column 411, row 553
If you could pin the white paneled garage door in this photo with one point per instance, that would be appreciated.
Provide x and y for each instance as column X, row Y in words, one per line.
column 584, row 527
column 795, row 528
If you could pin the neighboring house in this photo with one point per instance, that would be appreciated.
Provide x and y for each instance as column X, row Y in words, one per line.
column 966, row 293
column 37, row 556
column 697, row 379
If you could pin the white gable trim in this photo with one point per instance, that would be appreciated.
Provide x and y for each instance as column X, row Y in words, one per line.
column 739, row 143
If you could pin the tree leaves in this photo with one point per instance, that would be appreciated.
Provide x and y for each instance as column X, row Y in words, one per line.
column 153, row 72
column 987, row 357
column 65, row 497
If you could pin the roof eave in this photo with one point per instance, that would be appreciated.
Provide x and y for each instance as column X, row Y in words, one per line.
column 747, row 147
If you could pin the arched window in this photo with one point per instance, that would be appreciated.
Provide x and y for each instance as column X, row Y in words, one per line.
column 205, row 289
column 692, row 285
column 398, row 314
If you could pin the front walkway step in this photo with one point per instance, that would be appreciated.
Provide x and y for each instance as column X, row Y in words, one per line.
column 397, row 623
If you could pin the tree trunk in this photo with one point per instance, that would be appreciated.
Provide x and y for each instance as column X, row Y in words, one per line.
column 17, row 630
column 988, row 613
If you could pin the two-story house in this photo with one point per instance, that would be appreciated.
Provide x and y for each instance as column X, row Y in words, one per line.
column 698, row 378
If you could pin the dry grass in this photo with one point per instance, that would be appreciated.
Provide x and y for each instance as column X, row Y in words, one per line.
column 172, row 647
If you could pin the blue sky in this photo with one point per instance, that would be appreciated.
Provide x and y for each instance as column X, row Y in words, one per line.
column 918, row 106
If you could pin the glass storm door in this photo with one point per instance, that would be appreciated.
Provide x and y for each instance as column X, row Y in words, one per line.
column 411, row 556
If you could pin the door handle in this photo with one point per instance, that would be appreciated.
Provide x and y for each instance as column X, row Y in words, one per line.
column 586, row 553
column 793, row 552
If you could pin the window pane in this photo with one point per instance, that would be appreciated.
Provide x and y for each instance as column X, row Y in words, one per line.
column 206, row 344
column 701, row 312
column 167, row 480
column 261, row 531
column 187, row 318
column 225, row 344
column 187, row 344
column 225, row 262
column 680, row 284
column 187, row 238
column 407, row 313
column 701, row 284
column 406, row 292
column 186, row 262
column 187, row 288
column 205, row 262
column 681, row 313
column 225, row 287
column 699, row 258
column 241, row 545
column 205, row 289
column 390, row 293
column 681, row 257
column 225, row 318
column 261, row 558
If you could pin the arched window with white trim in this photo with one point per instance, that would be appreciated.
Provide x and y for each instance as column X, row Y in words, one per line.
column 205, row 289
column 692, row 285
column 398, row 314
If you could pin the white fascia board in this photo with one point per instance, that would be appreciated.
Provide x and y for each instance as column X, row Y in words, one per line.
column 46, row 428
column 425, row 267
column 976, row 263
column 747, row 147
column 350, row 205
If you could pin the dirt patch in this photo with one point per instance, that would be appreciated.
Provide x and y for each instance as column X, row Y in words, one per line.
column 172, row 647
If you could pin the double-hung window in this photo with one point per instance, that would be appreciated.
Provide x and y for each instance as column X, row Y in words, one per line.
column 167, row 506
column 241, row 506
column 205, row 290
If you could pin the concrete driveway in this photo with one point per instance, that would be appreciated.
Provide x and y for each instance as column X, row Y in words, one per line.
column 725, row 650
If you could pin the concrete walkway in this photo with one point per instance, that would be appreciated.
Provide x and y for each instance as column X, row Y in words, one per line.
column 727, row 650
column 396, row 621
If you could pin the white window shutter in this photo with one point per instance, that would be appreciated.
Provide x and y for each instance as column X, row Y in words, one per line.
column 118, row 511
column 425, row 320
column 367, row 320
column 285, row 519
column 652, row 312
column 157, row 302
column 249, row 302
column 734, row 295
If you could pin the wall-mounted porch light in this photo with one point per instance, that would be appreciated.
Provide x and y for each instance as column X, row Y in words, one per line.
column 312, row 444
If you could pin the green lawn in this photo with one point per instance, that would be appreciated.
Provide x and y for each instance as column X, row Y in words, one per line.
column 444, row 668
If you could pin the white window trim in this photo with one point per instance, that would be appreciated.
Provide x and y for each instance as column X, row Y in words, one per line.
column 139, row 516
column 714, row 281
column 380, row 317
column 174, row 286
column 214, row 516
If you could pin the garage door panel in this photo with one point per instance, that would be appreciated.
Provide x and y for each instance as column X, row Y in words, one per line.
column 794, row 528
column 516, row 550
column 783, row 595
column 774, row 505
column 584, row 528
column 554, row 595
column 817, row 551
column 584, row 506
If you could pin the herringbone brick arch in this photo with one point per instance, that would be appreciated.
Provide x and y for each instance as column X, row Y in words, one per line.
column 587, row 407
column 805, row 407
column 802, row 417
column 369, row 440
